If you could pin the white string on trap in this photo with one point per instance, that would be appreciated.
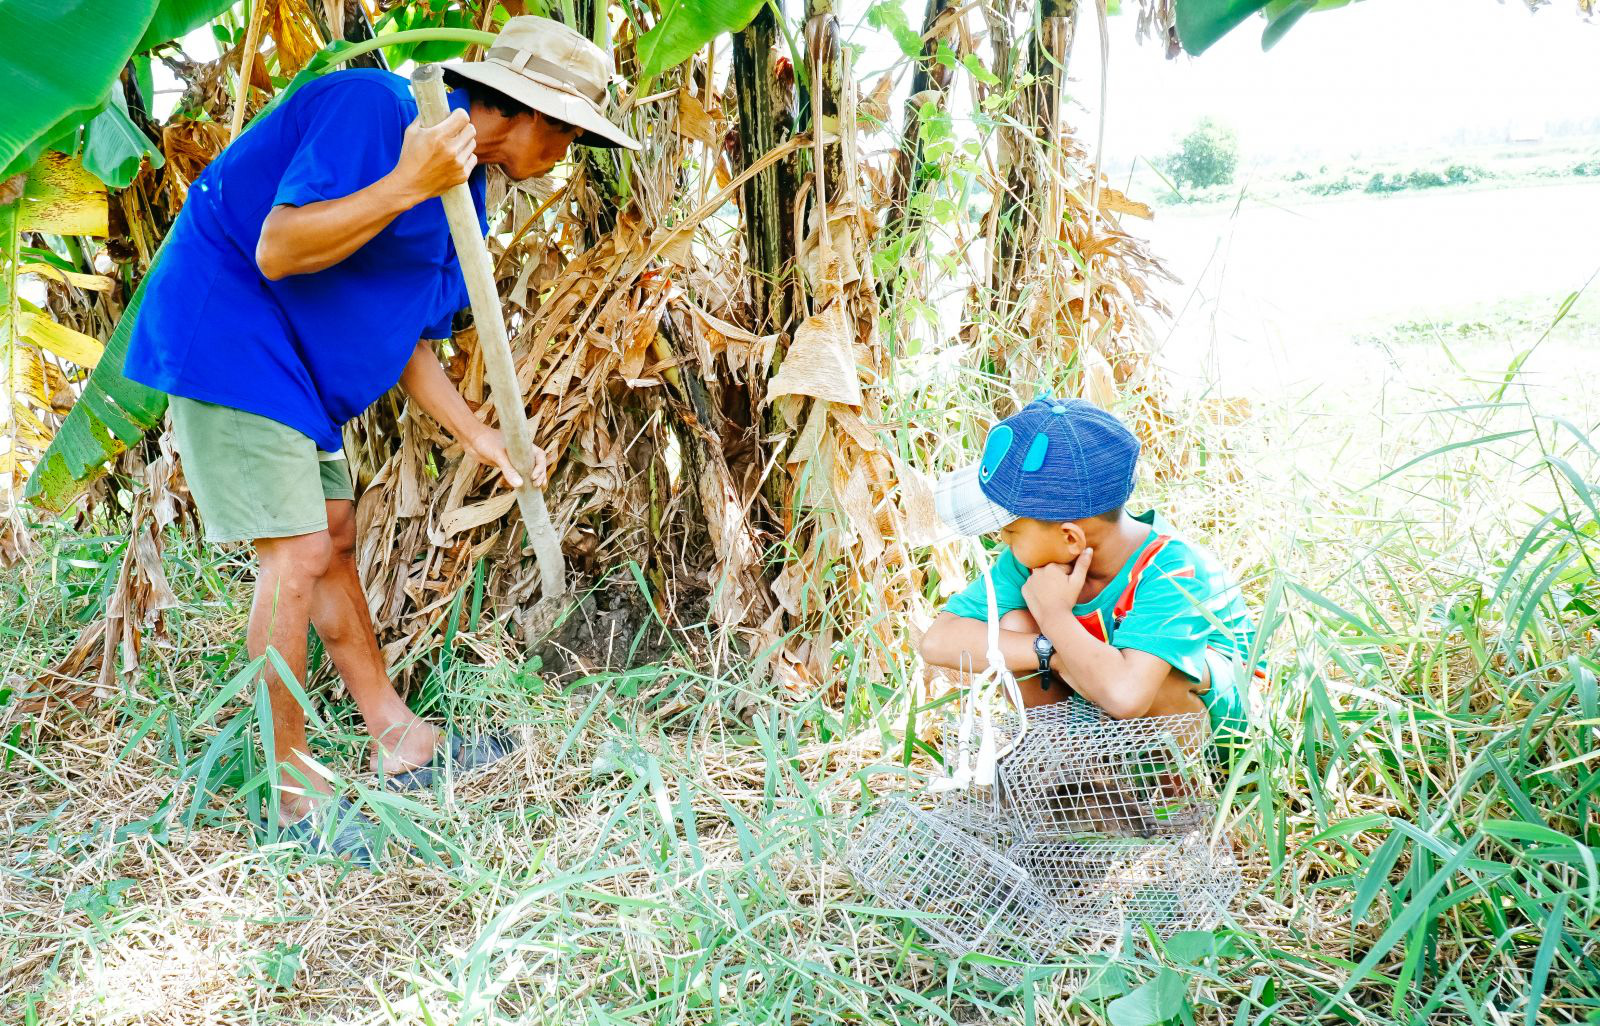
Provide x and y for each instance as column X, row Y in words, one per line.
column 977, row 705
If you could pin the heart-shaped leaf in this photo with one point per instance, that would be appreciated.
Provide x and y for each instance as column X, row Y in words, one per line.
column 1150, row 1003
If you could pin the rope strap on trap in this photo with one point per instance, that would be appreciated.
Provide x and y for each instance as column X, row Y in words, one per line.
column 977, row 706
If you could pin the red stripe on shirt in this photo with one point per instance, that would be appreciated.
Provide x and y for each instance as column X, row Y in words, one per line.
column 1125, row 600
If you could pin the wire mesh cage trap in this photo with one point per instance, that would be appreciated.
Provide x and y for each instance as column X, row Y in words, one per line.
column 976, row 900
column 978, row 808
column 1053, row 822
column 1101, row 884
column 976, row 811
column 1091, row 824
column 1077, row 771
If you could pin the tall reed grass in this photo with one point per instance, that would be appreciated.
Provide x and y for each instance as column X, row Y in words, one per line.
column 1416, row 813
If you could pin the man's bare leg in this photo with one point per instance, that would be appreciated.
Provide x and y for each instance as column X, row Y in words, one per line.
column 288, row 571
column 339, row 612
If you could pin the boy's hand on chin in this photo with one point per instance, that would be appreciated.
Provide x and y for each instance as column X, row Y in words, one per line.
column 1053, row 589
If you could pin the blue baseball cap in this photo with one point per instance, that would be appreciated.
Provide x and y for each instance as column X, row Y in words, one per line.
column 1054, row 460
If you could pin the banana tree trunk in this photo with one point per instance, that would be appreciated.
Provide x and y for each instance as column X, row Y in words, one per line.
column 766, row 119
column 823, row 65
column 1024, row 157
column 930, row 83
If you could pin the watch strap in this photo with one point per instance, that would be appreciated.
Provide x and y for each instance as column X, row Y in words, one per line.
column 1044, row 652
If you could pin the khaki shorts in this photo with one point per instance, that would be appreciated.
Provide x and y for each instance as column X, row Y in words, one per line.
column 253, row 477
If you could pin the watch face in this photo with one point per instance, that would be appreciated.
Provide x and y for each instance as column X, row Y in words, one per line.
column 1041, row 645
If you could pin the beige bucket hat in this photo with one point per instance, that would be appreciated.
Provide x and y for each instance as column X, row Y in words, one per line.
column 554, row 70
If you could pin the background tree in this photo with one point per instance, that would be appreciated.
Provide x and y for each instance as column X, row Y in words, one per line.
column 1207, row 155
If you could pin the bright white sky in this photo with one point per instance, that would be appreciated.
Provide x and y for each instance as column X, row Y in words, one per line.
column 1377, row 76
column 1374, row 76
column 1403, row 80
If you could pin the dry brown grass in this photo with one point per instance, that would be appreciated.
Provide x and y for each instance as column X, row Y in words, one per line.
column 678, row 862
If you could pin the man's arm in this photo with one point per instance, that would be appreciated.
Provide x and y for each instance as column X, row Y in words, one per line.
column 426, row 382
column 301, row 240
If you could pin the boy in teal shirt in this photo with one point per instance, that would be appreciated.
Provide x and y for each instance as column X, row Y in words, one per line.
column 1119, row 608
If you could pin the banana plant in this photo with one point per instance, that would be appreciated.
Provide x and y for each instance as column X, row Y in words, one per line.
column 64, row 136
column 40, row 357
column 1201, row 23
column 687, row 25
column 50, row 99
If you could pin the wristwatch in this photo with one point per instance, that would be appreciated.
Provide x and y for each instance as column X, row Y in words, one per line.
column 1045, row 650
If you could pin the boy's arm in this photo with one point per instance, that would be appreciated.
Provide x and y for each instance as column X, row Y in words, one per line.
column 959, row 643
column 1123, row 682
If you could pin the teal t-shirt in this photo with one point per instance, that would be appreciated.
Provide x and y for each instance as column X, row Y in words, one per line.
column 1171, row 599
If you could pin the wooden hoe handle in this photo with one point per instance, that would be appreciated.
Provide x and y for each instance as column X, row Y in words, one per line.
column 427, row 84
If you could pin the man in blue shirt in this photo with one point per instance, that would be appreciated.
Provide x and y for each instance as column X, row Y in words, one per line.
column 304, row 277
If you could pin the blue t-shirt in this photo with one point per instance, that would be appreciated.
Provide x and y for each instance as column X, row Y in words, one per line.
column 311, row 350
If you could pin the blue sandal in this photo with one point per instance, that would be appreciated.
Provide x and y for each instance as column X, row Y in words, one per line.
column 337, row 830
column 456, row 755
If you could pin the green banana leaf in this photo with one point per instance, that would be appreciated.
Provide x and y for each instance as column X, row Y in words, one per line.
column 409, row 19
column 58, row 62
column 687, row 25
column 1281, row 17
column 58, row 59
column 114, row 147
column 175, row 19
column 111, row 414
column 1203, row 22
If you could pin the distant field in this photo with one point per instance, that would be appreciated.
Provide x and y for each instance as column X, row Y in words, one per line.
column 1276, row 295
column 1482, row 167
